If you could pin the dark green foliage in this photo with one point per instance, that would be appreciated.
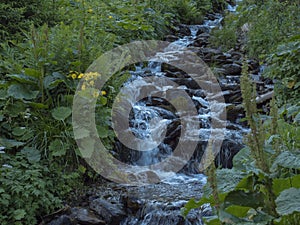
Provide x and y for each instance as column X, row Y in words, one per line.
column 16, row 16
column 284, row 66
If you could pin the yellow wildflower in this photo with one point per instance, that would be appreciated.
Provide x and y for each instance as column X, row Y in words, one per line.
column 74, row 76
column 80, row 76
column 110, row 17
column 83, row 87
column 90, row 10
column 95, row 94
column 103, row 92
column 92, row 83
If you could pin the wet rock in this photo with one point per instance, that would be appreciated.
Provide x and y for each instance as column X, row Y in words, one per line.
column 232, row 69
column 236, row 56
column 171, row 38
column 253, row 66
column 234, row 112
column 86, row 217
column 228, row 150
column 62, row 220
column 176, row 74
column 184, row 30
column 148, row 177
column 111, row 213
column 202, row 30
column 200, row 42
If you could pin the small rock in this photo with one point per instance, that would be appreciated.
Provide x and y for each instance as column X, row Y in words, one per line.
column 62, row 220
column 86, row 217
column 171, row 38
column 203, row 30
column 233, row 69
column 111, row 213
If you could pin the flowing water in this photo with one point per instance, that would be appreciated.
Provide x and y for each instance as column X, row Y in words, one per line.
column 153, row 118
column 158, row 129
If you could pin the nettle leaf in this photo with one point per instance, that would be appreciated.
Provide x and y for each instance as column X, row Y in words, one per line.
column 19, row 91
column 281, row 184
column 288, row 201
column 51, row 82
column 58, row 148
column 32, row 154
column 32, row 72
column 103, row 131
column 19, row 214
column 247, row 199
column 287, row 159
column 61, row 113
column 24, row 79
column 238, row 211
column 242, row 159
column 212, row 220
column 228, row 179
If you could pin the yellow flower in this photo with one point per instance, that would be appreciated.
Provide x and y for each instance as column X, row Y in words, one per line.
column 80, row 75
column 90, row 10
column 103, row 92
column 83, row 87
column 74, row 76
column 92, row 83
column 95, row 94
column 110, row 17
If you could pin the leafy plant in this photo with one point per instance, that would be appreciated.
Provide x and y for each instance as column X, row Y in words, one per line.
column 284, row 66
column 263, row 184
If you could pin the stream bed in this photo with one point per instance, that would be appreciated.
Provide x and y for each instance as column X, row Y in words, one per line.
column 161, row 202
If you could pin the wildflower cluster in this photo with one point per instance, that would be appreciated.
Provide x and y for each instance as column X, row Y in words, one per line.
column 89, row 83
column 75, row 75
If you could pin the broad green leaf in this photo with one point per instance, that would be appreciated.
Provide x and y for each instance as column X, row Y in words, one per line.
column 227, row 179
column 32, row 72
column 32, row 154
column 248, row 199
column 237, row 210
column 57, row 148
column 19, row 214
column 242, row 159
column 19, row 131
column 102, row 131
column 212, row 220
column 288, row 201
column 21, row 78
column 287, row 159
column 103, row 100
column 228, row 218
column 284, row 183
column 15, row 109
column 61, row 113
column 51, row 82
column 10, row 143
column 19, row 91
column 36, row 105
column 293, row 218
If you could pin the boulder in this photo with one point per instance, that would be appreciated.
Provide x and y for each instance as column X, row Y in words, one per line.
column 62, row 220
column 233, row 69
column 86, row 217
column 111, row 213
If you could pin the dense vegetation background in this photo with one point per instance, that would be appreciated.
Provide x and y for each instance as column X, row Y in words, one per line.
column 45, row 47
